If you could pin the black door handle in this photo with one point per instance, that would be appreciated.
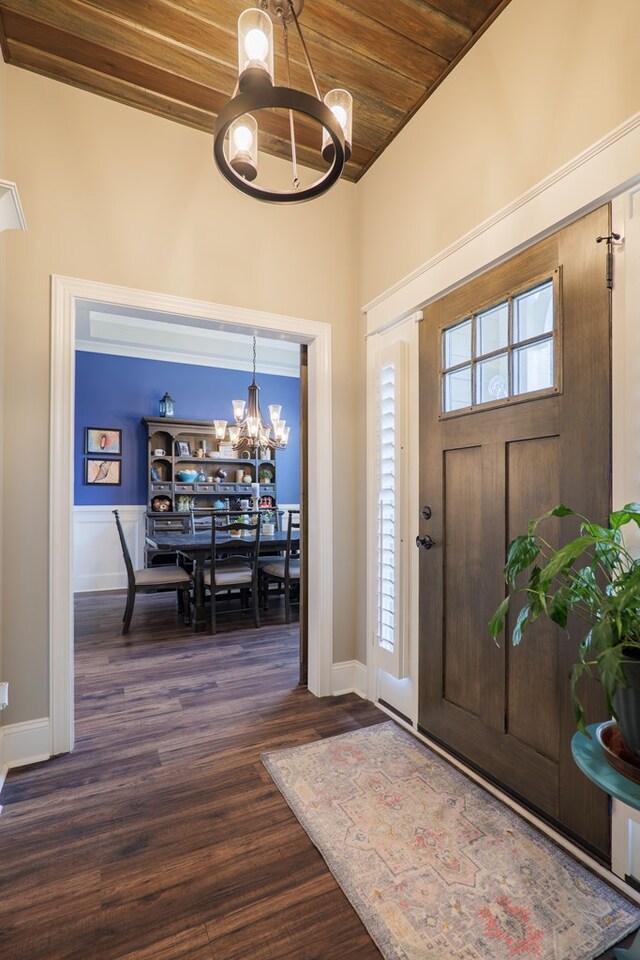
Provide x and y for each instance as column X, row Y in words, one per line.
column 425, row 513
column 424, row 543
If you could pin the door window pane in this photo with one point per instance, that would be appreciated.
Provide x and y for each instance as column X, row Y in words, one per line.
column 457, row 344
column 492, row 379
column 533, row 312
column 457, row 389
column 533, row 367
column 492, row 329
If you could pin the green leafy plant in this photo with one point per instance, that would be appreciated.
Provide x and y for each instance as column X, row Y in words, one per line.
column 593, row 576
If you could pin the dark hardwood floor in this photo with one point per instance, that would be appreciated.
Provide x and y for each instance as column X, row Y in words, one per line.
column 162, row 837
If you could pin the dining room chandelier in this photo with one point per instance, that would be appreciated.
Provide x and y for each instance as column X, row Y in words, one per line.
column 250, row 430
column 235, row 145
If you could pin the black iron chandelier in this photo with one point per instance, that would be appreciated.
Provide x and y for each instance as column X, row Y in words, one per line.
column 235, row 145
column 250, row 431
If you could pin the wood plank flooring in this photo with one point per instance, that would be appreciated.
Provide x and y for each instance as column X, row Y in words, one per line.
column 162, row 837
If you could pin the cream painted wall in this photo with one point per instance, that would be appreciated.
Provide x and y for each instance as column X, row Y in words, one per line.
column 545, row 81
column 114, row 195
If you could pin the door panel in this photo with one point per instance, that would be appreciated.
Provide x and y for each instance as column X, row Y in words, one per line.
column 464, row 558
column 533, row 470
column 486, row 472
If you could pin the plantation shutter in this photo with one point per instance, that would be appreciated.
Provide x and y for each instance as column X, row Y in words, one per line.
column 390, row 597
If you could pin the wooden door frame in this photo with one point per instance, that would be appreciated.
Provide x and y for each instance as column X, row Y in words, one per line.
column 65, row 292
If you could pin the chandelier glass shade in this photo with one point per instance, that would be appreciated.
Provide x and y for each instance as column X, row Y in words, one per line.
column 250, row 430
column 235, row 145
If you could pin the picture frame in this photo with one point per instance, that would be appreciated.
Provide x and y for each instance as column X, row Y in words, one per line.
column 102, row 472
column 107, row 441
column 183, row 448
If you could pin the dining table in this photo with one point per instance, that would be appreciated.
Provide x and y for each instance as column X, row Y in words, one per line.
column 197, row 548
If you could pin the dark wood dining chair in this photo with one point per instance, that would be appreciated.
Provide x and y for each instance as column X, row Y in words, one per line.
column 284, row 570
column 234, row 566
column 152, row 579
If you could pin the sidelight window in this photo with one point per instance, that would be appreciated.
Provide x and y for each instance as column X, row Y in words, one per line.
column 391, row 545
column 502, row 353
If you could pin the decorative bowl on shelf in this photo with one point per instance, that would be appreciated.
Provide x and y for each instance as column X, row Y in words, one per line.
column 186, row 476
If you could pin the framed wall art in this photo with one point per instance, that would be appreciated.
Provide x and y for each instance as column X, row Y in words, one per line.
column 104, row 472
column 103, row 440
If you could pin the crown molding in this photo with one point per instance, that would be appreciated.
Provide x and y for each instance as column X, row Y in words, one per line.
column 593, row 177
column 11, row 213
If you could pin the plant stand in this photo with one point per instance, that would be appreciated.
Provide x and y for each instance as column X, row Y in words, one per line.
column 590, row 758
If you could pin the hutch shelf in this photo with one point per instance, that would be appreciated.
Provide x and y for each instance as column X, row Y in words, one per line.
column 189, row 468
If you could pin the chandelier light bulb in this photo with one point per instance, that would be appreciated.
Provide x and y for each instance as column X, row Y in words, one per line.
column 340, row 114
column 242, row 138
column 220, row 428
column 243, row 146
column 256, row 45
column 340, row 102
column 238, row 409
column 255, row 49
column 274, row 411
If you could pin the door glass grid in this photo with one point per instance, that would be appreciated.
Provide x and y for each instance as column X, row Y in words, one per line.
column 505, row 351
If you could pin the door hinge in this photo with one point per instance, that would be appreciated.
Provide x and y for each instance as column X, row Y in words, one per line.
column 610, row 240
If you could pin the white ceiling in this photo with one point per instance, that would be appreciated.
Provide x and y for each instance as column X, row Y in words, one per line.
column 105, row 328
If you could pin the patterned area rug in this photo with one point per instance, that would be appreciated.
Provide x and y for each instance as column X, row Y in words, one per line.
column 436, row 867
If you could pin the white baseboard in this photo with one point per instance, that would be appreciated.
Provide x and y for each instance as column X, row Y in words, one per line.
column 24, row 743
column 350, row 676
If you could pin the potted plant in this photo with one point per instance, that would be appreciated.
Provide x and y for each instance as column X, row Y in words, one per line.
column 594, row 577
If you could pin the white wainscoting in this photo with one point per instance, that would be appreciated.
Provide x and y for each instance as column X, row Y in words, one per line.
column 97, row 555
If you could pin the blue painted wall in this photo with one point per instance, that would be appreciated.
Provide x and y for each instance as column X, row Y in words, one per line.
column 117, row 391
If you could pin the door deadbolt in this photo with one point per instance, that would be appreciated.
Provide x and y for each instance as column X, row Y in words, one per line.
column 425, row 513
column 424, row 543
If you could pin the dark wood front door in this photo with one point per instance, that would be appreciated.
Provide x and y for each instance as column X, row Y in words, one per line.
column 485, row 471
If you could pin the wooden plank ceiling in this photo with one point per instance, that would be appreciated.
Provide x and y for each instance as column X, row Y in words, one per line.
column 178, row 58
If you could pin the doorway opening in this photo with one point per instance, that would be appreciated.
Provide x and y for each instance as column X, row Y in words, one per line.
column 313, row 338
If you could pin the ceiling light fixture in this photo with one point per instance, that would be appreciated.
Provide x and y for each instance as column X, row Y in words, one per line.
column 250, row 429
column 235, row 145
